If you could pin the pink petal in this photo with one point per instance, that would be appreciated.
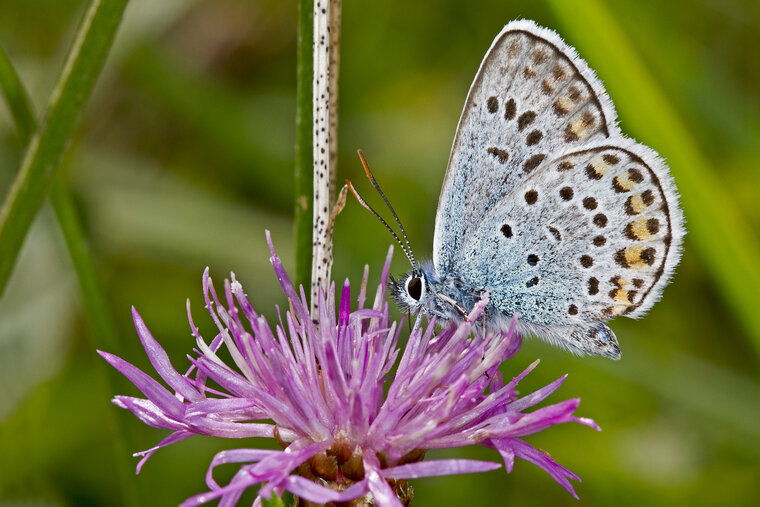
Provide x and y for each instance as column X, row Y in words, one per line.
column 313, row 492
column 149, row 413
column 557, row 471
column 171, row 439
column 149, row 387
column 438, row 467
column 234, row 456
column 161, row 362
column 383, row 493
column 536, row 396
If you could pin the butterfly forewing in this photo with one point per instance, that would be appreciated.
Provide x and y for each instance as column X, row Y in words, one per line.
column 531, row 99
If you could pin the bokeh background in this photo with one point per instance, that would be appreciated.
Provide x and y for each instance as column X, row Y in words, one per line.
column 185, row 155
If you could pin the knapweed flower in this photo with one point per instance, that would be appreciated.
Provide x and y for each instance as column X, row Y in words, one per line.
column 351, row 429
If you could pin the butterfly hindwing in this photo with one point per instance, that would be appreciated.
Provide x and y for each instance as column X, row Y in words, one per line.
column 531, row 98
column 590, row 235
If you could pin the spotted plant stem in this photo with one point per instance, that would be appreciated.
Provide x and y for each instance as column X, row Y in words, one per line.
column 325, row 98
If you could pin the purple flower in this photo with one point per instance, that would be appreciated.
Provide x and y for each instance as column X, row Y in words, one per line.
column 321, row 384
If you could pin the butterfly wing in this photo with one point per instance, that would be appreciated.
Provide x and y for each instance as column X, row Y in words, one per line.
column 532, row 97
column 590, row 235
column 547, row 205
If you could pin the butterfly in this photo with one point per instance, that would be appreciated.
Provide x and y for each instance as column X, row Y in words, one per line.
column 546, row 205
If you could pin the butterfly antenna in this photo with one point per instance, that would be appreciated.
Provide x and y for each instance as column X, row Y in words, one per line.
column 372, row 180
column 377, row 215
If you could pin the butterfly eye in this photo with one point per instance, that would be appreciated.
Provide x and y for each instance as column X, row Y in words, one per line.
column 414, row 287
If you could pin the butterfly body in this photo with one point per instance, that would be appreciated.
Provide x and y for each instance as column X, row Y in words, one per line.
column 546, row 204
column 449, row 298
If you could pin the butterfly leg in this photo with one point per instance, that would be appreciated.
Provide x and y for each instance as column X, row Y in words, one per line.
column 451, row 302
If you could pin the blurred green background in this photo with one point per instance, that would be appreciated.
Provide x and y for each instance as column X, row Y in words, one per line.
column 185, row 155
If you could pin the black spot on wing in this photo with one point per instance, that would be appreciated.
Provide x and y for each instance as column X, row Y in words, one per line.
column 492, row 104
column 510, row 109
column 525, row 119
column 502, row 155
column 533, row 162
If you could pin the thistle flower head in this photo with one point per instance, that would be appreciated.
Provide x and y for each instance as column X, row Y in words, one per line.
column 351, row 429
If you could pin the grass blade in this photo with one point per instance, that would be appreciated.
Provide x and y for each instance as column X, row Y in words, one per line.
column 17, row 99
column 47, row 147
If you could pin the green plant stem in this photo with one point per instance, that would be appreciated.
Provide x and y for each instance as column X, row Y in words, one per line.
column 48, row 145
column 717, row 230
column 105, row 336
column 103, row 327
column 304, row 135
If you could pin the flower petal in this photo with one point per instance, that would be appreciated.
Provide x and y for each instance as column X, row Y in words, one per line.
column 287, row 286
column 234, row 456
column 276, row 467
column 161, row 362
column 438, row 467
column 383, row 493
column 557, row 471
column 537, row 396
column 313, row 492
column 507, row 453
column 149, row 413
column 155, row 392
column 171, row 439
column 538, row 420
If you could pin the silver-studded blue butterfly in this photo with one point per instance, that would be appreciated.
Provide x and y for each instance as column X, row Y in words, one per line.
column 546, row 204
